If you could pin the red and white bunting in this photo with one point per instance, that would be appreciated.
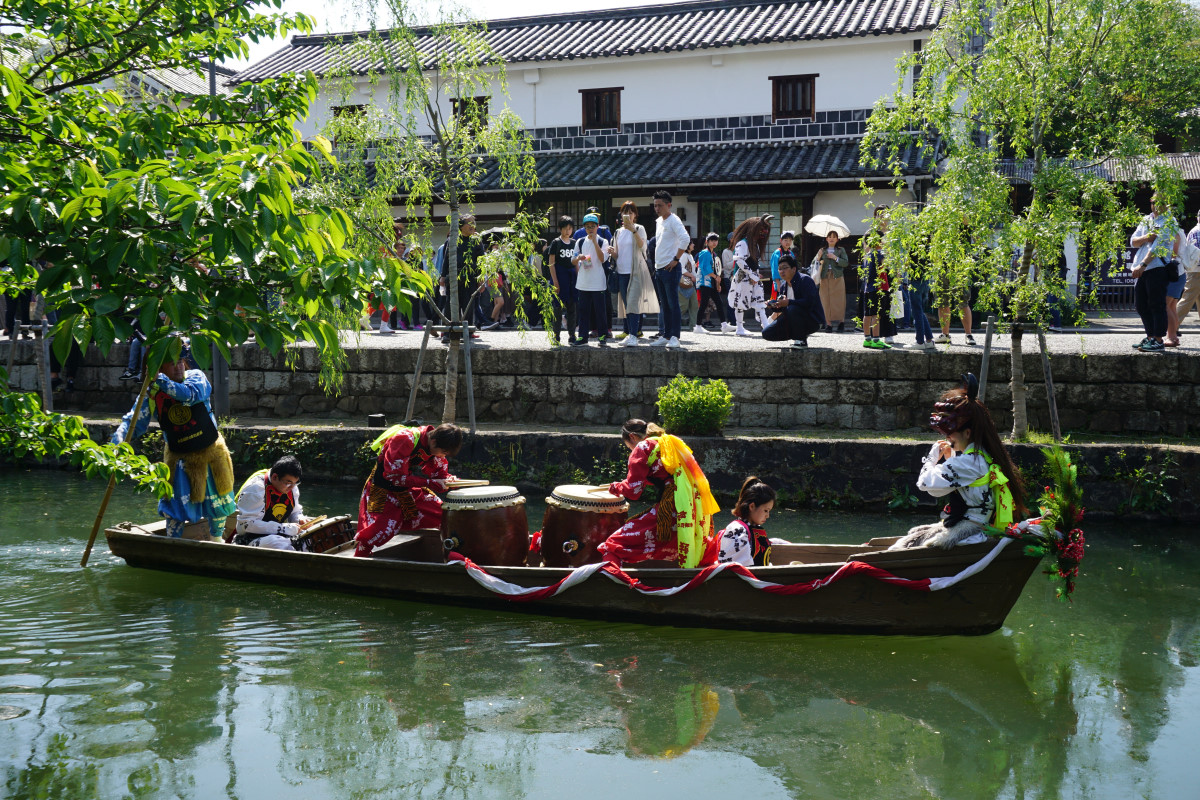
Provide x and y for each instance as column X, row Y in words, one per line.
column 577, row 576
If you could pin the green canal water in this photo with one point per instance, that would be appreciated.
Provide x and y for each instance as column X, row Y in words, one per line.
column 117, row 682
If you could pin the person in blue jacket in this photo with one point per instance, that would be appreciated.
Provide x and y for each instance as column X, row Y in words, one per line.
column 797, row 312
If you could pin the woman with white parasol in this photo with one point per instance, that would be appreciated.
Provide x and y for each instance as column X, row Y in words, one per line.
column 831, row 260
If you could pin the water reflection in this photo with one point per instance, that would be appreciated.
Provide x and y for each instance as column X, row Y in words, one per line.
column 117, row 682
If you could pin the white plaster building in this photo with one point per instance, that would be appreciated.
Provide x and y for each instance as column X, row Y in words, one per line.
column 737, row 108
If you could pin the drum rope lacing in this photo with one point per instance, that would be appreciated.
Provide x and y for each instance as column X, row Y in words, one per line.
column 483, row 503
column 579, row 504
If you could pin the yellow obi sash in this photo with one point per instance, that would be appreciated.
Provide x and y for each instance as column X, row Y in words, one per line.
column 694, row 503
column 998, row 481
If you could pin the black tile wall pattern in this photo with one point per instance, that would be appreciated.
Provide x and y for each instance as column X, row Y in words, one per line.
column 708, row 129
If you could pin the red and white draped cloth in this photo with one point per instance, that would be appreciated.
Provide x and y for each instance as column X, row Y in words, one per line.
column 613, row 572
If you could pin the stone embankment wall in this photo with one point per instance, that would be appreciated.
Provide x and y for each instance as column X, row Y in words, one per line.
column 1150, row 482
column 859, row 390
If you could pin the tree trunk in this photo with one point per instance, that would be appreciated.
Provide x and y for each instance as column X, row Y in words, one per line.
column 1020, row 413
column 451, row 275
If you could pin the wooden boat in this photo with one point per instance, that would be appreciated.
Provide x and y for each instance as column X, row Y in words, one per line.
column 858, row 603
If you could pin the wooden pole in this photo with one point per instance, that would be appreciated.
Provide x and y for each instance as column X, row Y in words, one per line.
column 412, row 395
column 13, row 332
column 112, row 481
column 1055, row 428
column 44, row 353
column 470, row 383
column 987, row 355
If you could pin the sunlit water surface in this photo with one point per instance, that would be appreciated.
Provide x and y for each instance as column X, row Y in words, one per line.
column 118, row 682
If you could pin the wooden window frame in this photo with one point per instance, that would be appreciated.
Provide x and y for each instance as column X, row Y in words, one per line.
column 588, row 94
column 777, row 84
column 481, row 100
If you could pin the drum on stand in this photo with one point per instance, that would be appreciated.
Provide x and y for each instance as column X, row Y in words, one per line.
column 487, row 524
column 328, row 534
column 577, row 520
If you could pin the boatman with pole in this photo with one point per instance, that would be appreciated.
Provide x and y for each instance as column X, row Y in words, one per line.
column 399, row 495
column 201, row 469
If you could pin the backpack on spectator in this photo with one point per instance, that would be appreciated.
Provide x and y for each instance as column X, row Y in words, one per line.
column 1189, row 254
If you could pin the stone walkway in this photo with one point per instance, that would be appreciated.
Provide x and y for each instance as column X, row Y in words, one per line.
column 1112, row 335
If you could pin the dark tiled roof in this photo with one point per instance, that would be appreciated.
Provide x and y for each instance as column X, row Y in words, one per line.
column 736, row 164
column 1188, row 165
column 189, row 81
column 661, row 28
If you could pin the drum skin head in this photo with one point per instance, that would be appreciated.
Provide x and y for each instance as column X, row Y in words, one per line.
column 480, row 497
column 580, row 498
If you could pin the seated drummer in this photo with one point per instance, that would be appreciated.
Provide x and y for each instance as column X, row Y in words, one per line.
column 679, row 528
column 268, row 507
column 399, row 494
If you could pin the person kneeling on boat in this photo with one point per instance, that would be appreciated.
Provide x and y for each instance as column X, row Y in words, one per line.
column 399, row 493
column 971, row 469
column 744, row 541
column 679, row 527
column 269, row 513
column 201, row 469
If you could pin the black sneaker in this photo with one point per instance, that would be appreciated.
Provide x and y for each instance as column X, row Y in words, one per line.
column 56, row 384
column 841, row 327
column 128, row 375
column 578, row 343
column 829, row 329
column 1142, row 343
column 1152, row 346
column 800, row 343
column 70, row 387
column 603, row 340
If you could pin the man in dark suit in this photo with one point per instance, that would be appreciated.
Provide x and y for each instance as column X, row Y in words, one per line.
column 796, row 313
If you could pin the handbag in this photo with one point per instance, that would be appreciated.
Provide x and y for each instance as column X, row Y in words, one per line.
column 814, row 269
column 897, row 307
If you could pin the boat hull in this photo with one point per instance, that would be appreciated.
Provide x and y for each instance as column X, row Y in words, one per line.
column 856, row 604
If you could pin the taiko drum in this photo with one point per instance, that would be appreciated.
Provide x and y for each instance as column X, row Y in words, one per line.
column 487, row 524
column 577, row 520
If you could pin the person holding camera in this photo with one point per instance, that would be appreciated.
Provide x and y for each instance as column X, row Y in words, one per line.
column 796, row 313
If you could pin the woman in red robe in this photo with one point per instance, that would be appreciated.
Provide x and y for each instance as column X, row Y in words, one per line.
column 399, row 495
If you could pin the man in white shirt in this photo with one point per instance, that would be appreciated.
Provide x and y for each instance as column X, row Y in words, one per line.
column 671, row 241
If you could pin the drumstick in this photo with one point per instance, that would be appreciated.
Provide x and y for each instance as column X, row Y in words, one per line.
column 306, row 525
column 464, row 483
column 597, row 489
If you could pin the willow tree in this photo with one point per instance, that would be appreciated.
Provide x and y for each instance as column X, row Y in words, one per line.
column 176, row 211
column 438, row 126
column 1064, row 94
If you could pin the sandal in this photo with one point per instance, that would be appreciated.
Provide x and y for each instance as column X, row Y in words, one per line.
column 1169, row 342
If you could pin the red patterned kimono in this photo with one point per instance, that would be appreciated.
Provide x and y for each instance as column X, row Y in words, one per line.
column 399, row 494
column 650, row 535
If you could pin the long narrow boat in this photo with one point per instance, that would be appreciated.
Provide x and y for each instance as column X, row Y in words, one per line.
column 815, row 588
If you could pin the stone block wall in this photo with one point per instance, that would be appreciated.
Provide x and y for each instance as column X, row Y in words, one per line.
column 859, row 390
